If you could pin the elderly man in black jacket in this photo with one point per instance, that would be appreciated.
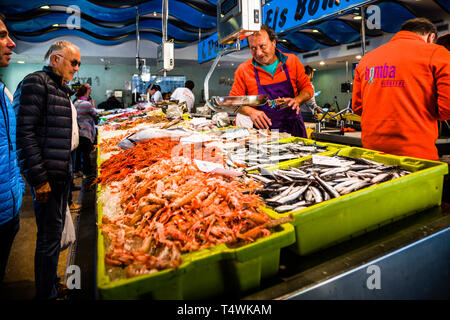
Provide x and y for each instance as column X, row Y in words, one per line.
column 47, row 132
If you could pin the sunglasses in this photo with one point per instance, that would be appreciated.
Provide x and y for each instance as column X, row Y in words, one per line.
column 73, row 62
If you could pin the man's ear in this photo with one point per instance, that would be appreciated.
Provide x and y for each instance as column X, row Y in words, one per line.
column 431, row 38
column 53, row 59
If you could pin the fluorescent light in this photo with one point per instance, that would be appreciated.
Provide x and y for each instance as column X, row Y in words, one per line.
column 357, row 17
column 315, row 30
column 358, row 56
column 20, row 61
column 55, row 25
column 322, row 63
column 45, row 7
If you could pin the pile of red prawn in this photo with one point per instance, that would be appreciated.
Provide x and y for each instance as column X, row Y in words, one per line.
column 172, row 208
column 124, row 122
column 111, row 144
column 145, row 153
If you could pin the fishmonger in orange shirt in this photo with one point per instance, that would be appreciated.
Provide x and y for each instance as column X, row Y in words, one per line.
column 401, row 90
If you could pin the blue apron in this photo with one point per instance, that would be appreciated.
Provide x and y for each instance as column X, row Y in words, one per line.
column 285, row 120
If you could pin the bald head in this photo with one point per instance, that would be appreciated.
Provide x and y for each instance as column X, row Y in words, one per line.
column 64, row 58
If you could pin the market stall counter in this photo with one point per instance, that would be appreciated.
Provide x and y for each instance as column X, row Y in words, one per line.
column 148, row 245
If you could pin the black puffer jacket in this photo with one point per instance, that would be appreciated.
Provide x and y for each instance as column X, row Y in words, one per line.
column 44, row 127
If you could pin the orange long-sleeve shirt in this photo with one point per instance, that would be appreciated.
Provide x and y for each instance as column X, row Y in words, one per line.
column 400, row 90
column 245, row 81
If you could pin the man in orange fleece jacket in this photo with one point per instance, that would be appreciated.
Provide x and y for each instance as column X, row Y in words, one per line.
column 280, row 76
column 401, row 90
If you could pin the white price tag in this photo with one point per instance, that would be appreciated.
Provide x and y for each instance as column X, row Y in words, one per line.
column 212, row 167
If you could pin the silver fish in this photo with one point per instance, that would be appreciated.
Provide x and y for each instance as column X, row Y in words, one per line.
column 291, row 207
column 316, row 194
column 339, row 187
column 260, row 178
column 381, row 177
column 282, row 194
column 354, row 187
column 328, row 188
column 334, row 171
column 294, row 194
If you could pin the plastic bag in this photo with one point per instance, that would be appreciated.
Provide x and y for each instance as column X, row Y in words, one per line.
column 204, row 111
column 221, row 119
column 174, row 111
column 68, row 235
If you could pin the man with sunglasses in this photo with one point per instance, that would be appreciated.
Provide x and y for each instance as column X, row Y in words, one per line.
column 47, row 132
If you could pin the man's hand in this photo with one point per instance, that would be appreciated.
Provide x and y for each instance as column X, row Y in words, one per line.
column 290, row 102
column 296, row 102
column 259, row 118
column 43, row 192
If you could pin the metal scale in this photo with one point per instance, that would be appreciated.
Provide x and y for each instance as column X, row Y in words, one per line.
column 236, row 20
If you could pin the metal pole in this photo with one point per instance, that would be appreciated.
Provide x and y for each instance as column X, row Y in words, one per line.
column 346, row 70
column 137, row 38
column 363, row 30
column 164, row 19
column 211, row 70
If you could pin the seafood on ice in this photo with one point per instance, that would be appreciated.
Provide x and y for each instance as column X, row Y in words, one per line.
column 170, row 208
column 296, row 188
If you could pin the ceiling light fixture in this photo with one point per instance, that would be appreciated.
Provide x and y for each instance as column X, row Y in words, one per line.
column 358, row 56
column 322, row 63
column 314, row 69
column 55, row 25
column 45, row 7
column 154, row 14
column 357, row 18
column 315, row 30
column 20, row 61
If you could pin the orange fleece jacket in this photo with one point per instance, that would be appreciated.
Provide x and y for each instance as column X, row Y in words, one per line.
column 400, row 90
column 245, row 81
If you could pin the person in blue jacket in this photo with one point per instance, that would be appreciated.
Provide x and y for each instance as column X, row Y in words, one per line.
column 11, row 184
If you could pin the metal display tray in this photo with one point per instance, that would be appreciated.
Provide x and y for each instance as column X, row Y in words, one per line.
column 240, row 100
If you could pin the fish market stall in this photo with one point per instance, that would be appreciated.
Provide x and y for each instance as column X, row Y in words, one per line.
column 187, row 214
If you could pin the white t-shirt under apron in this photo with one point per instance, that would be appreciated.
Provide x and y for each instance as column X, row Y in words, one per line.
column 184, row 94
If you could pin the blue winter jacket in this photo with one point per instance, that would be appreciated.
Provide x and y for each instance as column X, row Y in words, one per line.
column 12, row 185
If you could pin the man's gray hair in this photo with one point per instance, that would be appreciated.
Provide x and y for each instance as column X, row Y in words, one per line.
column 57, row 47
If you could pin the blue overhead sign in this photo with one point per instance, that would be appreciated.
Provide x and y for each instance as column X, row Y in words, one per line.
column 283, row 15
column 209, row 48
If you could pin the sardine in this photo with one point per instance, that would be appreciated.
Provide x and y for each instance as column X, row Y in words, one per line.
column 380, row 178
column 294, row 194
column 328, row 188
column 354, row 187
column 260, row 178
column 316, row 194
column 334, row 171
column 282, row 194
column 291, row 207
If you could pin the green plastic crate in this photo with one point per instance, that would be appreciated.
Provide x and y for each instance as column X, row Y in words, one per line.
column 308, row 142
column 204, row 274
column 330, row 222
